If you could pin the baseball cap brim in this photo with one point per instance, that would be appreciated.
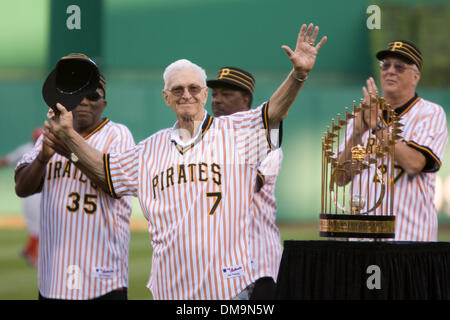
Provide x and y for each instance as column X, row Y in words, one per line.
column 69, row 82
column 388, row 53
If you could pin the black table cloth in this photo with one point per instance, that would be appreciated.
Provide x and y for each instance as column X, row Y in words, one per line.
column 346, row 270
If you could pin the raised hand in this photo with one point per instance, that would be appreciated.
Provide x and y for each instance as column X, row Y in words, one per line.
column 368, row 118
column 52, row 142
column 305, row 53
column 60, row 123
column 370, row 100
column 56, row 129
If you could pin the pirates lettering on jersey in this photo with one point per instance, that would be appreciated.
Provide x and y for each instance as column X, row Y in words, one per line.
column 64, row 170
column 187, row 173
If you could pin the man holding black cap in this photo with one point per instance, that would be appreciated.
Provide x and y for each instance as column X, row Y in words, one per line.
column 424, row 138
column 84, row 232
column 232, row 92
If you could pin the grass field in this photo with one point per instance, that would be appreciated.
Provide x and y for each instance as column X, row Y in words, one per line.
column 18, row 281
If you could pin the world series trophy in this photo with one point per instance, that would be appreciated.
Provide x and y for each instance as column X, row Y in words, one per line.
column 358, row 182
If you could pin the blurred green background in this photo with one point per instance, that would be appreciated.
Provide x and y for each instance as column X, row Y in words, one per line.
column 133, row 41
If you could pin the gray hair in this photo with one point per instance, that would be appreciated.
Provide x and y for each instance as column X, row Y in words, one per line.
column 180, row 65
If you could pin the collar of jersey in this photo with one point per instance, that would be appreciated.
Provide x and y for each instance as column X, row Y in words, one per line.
column 183, row 147
column 101, row 125
column 400, row 111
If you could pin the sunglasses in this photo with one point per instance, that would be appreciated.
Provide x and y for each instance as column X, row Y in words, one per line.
column 179, row 90
column 399, row 67
column 93, row 96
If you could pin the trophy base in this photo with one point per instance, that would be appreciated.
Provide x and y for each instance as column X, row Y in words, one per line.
column 357, row 226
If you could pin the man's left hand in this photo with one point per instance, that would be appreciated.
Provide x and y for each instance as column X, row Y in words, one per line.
column 305, row 53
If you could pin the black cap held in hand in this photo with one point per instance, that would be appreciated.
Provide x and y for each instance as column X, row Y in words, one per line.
column 74, row 76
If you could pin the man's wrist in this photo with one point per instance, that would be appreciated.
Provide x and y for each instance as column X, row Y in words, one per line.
column 68, row 134
column 69, row 137
column 72, row 140
column 300, row 77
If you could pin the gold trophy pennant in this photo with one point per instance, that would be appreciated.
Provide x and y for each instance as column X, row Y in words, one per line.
column 358, row 176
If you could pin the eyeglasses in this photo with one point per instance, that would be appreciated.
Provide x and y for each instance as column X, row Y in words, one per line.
column 93, row 96
column 399, row 67
column 179, row 90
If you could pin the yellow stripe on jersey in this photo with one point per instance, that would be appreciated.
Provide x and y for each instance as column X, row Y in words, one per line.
column 108, row 175
column 98, row 128
column 402, row 113
column 261, row 176
column 205, row 128
column 21, row 166
column 210, row 119
column 265, row 115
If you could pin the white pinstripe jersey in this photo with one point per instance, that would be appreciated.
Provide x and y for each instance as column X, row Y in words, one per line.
column 425, row 129
column 197, row 202
column 264, row 234
column 84, row 232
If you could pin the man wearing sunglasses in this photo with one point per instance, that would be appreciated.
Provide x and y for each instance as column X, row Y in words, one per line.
column 84, row 232
column 418, row 154
column 195, row 180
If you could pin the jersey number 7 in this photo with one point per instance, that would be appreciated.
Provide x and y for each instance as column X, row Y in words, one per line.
column 218, row 198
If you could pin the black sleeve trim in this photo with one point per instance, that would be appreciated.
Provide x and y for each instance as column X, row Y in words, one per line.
column 280, row 134
column 433, row 163
column 265, row 118
column 109, row 183
column 260, row 179
column 265, row 115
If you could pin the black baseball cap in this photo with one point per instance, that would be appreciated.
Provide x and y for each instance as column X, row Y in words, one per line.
column 235, row 77
column 74, row 76
column 403, row 49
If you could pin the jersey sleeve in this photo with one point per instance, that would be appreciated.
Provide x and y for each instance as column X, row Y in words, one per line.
column 29, row 156
column 269, row 168
column 14, row 156
column 122, row 141
column 253, row 135
column 121, row 172
column 430, row 138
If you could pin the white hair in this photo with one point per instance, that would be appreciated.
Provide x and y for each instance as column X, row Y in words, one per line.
column 180, row 65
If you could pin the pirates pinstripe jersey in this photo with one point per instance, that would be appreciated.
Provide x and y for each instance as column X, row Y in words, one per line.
column 425, row 129
column 84, row 232
column 197, row 201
